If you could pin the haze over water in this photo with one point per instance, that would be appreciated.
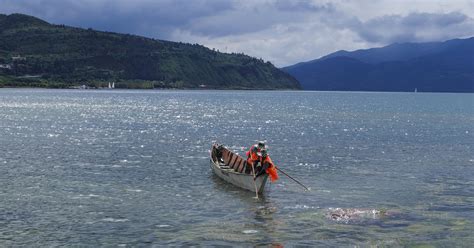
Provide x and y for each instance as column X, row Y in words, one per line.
column 131, row 168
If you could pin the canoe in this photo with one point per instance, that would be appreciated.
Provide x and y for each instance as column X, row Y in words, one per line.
column 233, row 169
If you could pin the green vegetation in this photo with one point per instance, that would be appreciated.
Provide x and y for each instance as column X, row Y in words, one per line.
column 34, row 53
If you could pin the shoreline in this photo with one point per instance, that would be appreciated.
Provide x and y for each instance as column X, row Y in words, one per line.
column 235, row 89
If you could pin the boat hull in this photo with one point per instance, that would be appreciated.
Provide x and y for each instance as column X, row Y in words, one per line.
column 240, row 179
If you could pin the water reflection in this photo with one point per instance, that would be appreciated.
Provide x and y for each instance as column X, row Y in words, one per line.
column 264, row 222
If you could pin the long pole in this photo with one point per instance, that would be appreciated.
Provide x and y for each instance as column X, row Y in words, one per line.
column 306, row 188
column 255, row 183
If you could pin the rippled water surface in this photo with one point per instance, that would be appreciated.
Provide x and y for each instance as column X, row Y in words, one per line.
column 131, row 168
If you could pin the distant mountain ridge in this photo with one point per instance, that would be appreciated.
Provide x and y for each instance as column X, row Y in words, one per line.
column 34, row 53
column 435, row 66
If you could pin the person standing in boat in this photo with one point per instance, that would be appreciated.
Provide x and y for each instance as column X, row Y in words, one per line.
column 267, row 166
column 253, row 154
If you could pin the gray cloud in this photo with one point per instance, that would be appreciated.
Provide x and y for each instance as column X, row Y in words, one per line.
column 442, row 20
column 283, row 31
column 160, row 18
column 144, row 17
column 415, row 27
column 258, row 16
column 301, row 6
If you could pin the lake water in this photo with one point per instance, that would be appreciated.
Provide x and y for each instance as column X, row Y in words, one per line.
column 131, row 168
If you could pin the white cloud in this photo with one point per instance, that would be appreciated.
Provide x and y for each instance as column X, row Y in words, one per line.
column 289, row 35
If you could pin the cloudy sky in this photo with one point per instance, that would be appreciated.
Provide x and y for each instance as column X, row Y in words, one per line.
column 281, row 31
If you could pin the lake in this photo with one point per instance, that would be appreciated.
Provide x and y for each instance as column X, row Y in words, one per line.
column 131, row 168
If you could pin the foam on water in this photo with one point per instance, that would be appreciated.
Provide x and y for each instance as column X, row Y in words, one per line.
column 114, row 220
column 163, row 226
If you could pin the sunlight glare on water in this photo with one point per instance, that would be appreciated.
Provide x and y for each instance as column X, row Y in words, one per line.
column 132, row 168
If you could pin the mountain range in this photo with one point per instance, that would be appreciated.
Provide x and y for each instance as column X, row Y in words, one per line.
column 432, row 67
column 35, row 53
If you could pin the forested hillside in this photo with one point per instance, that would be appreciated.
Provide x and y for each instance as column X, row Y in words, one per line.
column 34, row 53
column 433, row 67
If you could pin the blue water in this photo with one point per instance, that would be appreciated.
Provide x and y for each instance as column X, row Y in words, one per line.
column 131, row 168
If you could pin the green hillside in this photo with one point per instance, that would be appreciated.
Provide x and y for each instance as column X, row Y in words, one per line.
column 34, row 53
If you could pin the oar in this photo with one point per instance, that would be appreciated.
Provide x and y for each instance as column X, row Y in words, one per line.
column 255, row 183
column 306, row 188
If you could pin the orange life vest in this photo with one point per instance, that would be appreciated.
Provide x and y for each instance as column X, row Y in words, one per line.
column 271, row 170
column 252, row 155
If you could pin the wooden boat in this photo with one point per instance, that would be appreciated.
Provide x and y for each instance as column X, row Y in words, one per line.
column 233, row 168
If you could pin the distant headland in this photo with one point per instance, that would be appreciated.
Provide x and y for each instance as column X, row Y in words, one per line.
column 35, row 53
column 423, row 67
